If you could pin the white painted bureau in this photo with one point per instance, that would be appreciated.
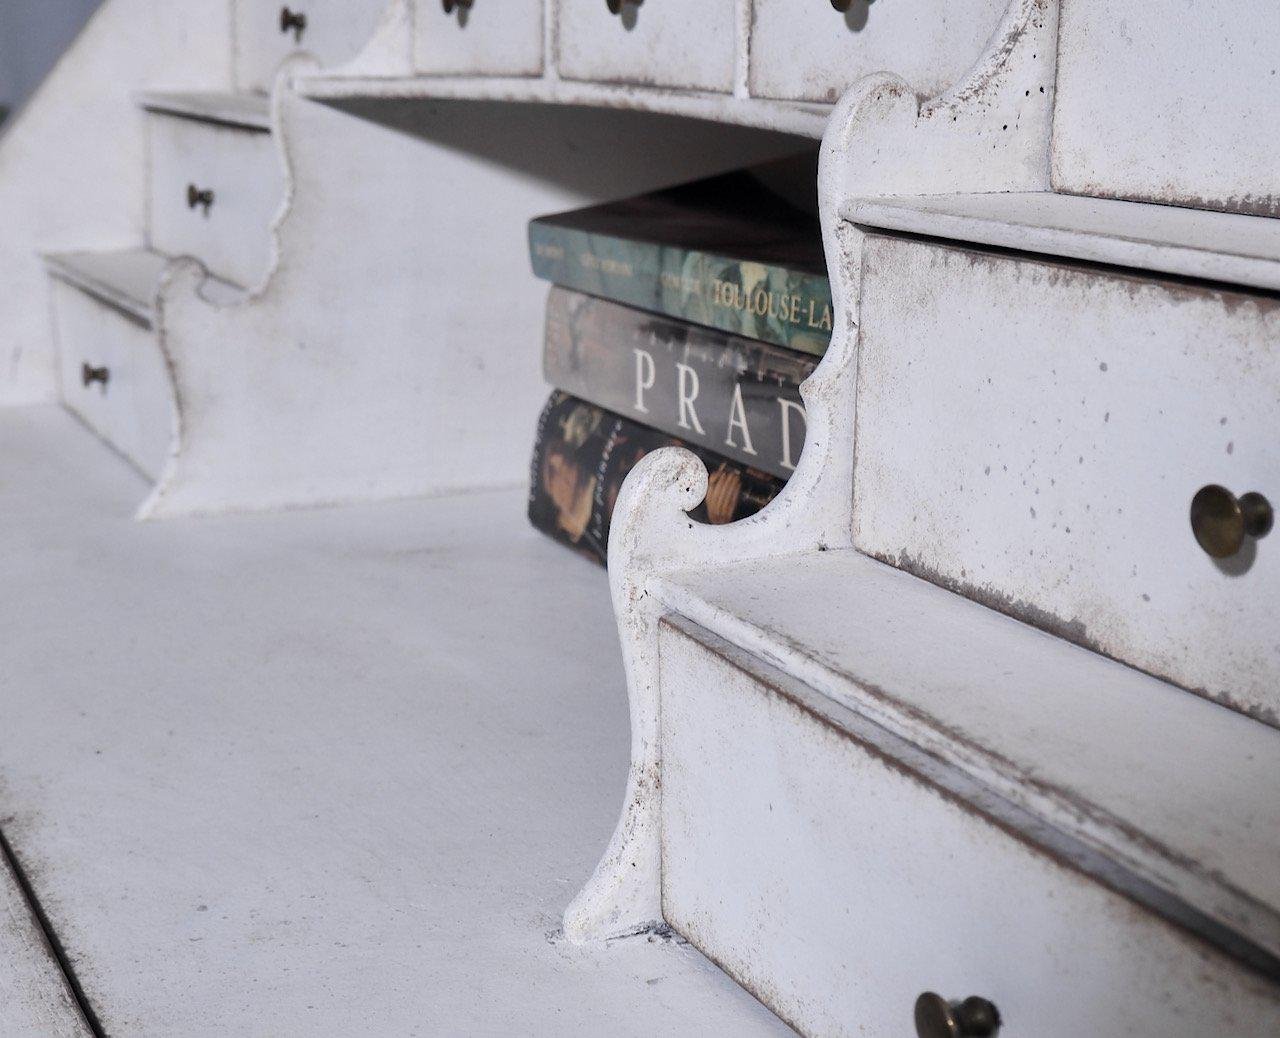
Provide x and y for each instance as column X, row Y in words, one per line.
column 976, row 727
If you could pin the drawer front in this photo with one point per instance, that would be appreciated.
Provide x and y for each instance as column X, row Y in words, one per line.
column 491, row 37
column 1032, row 434
column 810, row 52
column 232, row 235
column 838, row 884
column 668, row 43
column 133, row 409
column 268, row 32
column 1131, row 93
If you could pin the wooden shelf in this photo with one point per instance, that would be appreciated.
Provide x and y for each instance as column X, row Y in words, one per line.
column 801, row 119
column 1196, row 243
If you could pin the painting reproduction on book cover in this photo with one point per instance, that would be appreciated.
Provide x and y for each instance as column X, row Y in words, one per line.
column 582, row 455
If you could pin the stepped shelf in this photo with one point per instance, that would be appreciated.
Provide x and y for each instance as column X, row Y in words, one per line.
column 849, row 784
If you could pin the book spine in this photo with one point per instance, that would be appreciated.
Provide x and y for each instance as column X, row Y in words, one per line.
column 582, row 455
column 737, row 397
column 773, row 304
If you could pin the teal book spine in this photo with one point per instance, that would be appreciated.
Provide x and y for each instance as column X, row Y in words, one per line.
column 771, row 303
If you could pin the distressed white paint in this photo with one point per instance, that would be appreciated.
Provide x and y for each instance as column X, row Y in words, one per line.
column 73, row 161
column 690, row 44
column 488, row 38
column 989, row 133
column 322, row 772
column 810, row 52
column 1040, row 722
column 1170, row 103
column 241, row 167
column 334, row 33
column 35, row 1001
column 1033, row 433
column 845, row 883
column 349, row 396
column 1228, row 247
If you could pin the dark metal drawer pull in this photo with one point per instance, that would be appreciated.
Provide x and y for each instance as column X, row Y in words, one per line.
column 449, row 5
column 293, row 20
column 89, row 375
column 615, row 6
column 197, row 197
column 1221, row 521
column 973, row 1018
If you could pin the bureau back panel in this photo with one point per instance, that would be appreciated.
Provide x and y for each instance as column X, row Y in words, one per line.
column 1171, row 103
column 1031, row 434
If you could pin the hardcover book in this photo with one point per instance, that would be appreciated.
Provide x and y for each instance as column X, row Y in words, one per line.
column 737, row 397
column 583, row 453
column 731, row 252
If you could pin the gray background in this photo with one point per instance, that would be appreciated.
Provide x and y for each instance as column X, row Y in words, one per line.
column 33, row 34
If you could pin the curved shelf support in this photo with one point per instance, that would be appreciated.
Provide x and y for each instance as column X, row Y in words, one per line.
column 989, row 133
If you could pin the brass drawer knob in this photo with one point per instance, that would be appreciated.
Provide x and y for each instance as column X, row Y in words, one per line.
column 294, row 21
column 450, row 5
column 1221, row 521
column 615, row 6
column 89, row 375
column 197, row 197
column 973, row 1018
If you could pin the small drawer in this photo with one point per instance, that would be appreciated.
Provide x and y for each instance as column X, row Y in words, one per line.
column 810, row 52
column 114, row 377
column 1033, row 432
column 1118, row 117
column 269, row 31
column 215, row 190
column 816, row 859
column 688, row 44
column 479, row 37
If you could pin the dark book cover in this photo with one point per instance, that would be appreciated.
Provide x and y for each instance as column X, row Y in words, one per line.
column 733, row 252
column 583, row 453
column 737, row 397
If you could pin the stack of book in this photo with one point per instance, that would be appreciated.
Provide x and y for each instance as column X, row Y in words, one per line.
column 685, row 317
